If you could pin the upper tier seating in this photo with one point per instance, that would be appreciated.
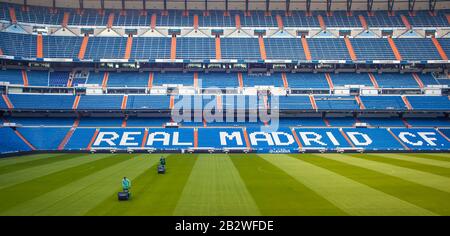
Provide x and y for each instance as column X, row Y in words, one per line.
column 197, row 48
column 19, row 45
column 372, row 49
column 240, row 48
column 106, row 47
column 417, row 49
column 328, row 49
column 91, row 17
column 150, row 48
column 284, row 49
column 61, row 46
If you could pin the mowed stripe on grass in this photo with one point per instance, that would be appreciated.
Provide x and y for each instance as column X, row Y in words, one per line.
column 23, row 175
column 432, row 156
column 420, row 164
column 17, row 194
column 277, row 193
column 78, row 197
column 36, row 161
column 420, row 177
column 21, row 159
column 152, row 193
column 349, row 195
column 425, row 197
column 215, row 188
column 412, row 158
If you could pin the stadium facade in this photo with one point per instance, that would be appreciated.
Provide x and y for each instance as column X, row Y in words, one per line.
column 237, row 79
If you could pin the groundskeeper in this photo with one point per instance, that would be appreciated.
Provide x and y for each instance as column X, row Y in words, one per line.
column 126, row 184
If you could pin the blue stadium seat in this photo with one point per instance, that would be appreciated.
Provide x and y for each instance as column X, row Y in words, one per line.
column 336, row 103
column 372, row 49
column 328, row 49
column 307, row 80
column 58, row 79
column 41, row 102
column 396, row 80
column 127, row 79
column 383, row 103
column 240, row 48
column 10, row 142
column 40, row 138
column 151, row 48
column 343, row 79
column 38, row 78
column 439, row 103
column 11, row 76
column 418, row 49
column 158, row 102
column 100, row 102
column 284, row 49
column 196, row 48
column 251, row 80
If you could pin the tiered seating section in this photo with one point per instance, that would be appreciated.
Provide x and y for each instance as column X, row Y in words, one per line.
column 292, row 135
column 204, row 48
column 176, row 18
column 162, row 102
column 224, row 80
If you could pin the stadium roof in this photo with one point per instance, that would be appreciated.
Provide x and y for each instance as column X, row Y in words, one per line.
column 243, row 4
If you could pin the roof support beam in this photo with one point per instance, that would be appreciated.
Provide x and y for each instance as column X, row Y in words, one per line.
column 25, row 5
column 391, row 5
column 308, row 6
column 144, row 8
column 329, row 3
column 411, row 4
column 432, row 5
column 185, row 13
column 369, row 5
column 122, row 12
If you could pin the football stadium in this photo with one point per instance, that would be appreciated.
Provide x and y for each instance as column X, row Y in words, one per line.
column 225, row 107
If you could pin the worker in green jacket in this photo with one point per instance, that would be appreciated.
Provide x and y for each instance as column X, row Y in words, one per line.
column 126, row 184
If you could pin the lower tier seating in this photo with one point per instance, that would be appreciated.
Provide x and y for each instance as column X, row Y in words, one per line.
column 281, row 139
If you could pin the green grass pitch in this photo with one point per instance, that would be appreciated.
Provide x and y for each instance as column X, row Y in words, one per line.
column 233, row 184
